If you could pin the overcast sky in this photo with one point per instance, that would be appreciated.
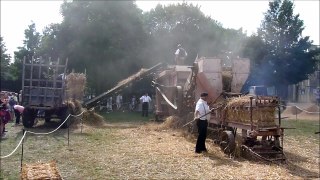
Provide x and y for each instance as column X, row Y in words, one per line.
column 17, row 15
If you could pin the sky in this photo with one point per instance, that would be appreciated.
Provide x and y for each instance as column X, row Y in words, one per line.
column 17, row 15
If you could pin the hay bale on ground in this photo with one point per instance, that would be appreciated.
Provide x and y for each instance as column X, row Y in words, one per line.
column 40, row 171
column 93, row 119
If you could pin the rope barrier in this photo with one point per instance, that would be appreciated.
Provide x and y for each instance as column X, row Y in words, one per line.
column 2, row 157
column 302, row 109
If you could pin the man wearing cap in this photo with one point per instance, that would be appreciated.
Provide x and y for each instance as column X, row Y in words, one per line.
column 202, row 115
column 180, row 55
column 145, row 99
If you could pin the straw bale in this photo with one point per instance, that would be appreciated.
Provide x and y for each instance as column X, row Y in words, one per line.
column 76, row 83
column 40, row 171
column 237, row 110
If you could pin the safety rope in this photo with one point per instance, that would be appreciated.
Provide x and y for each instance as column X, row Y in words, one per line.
column 303, row 110
column 2, row 157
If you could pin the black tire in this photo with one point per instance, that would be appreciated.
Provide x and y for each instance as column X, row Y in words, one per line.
column 28, row 118
column 227, row 142
column 47, row 116
column 63, row 114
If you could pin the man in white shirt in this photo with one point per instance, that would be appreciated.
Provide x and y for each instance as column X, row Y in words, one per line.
column 119, row 101
column 180, row 55
column 202, row 115
column 145, row 99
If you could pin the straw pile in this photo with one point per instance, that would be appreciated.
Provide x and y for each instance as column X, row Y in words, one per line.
column 93, row 119
column 292, row 110
column 89, row 117
column 76, row 83
column 40, row 171
column 312, row 113
column 237, row 110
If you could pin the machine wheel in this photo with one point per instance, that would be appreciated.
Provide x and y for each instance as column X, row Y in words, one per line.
column 63, row 114
column 47, row 116
column 29, row 116
column 227, row 142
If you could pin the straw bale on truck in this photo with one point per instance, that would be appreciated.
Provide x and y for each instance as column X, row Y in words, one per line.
column 76, row 83
column 237, row 110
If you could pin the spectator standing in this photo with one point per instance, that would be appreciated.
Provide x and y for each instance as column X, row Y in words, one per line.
column 5, row 115
column 12, row 102
column 119, row 101
column 317, row 94
column 109, row 104
column 20, row 97
column 145, row 99
column 133, row 103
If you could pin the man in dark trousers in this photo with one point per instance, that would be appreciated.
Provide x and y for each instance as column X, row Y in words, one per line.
column 145, row 99
column 180, row 55
column 202, row 116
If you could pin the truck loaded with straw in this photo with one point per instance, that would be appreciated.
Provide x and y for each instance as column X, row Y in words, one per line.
column 46, row 89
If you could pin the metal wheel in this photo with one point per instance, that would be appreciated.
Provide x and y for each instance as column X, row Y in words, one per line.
column 47, row 116
column 227, row 142
column 28, row 118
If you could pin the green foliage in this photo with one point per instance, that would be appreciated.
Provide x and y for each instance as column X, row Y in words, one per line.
column 5, row 61
column 110, row 40
column 288, row 60
column 103, row 38
column 185, row 24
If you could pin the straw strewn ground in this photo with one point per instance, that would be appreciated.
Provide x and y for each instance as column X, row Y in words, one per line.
column 152, row 151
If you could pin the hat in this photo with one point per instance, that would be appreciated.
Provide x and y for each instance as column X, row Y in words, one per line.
column 204, row 94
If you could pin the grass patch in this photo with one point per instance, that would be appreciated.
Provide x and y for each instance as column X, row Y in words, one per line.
column 303, row 128
column 125, row 117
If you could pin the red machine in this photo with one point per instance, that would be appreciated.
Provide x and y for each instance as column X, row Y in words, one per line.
column 258, row 117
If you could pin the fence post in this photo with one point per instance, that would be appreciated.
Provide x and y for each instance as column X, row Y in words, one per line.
column 68, row 134
column 81, row 123
column 296, row 113
column 23, row 131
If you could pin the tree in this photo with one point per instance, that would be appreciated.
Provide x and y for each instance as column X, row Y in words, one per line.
column 288, row 60
column 185, row 24
column 49, row 44
column 28, row 50
column 5, row 61
column 105, row 38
